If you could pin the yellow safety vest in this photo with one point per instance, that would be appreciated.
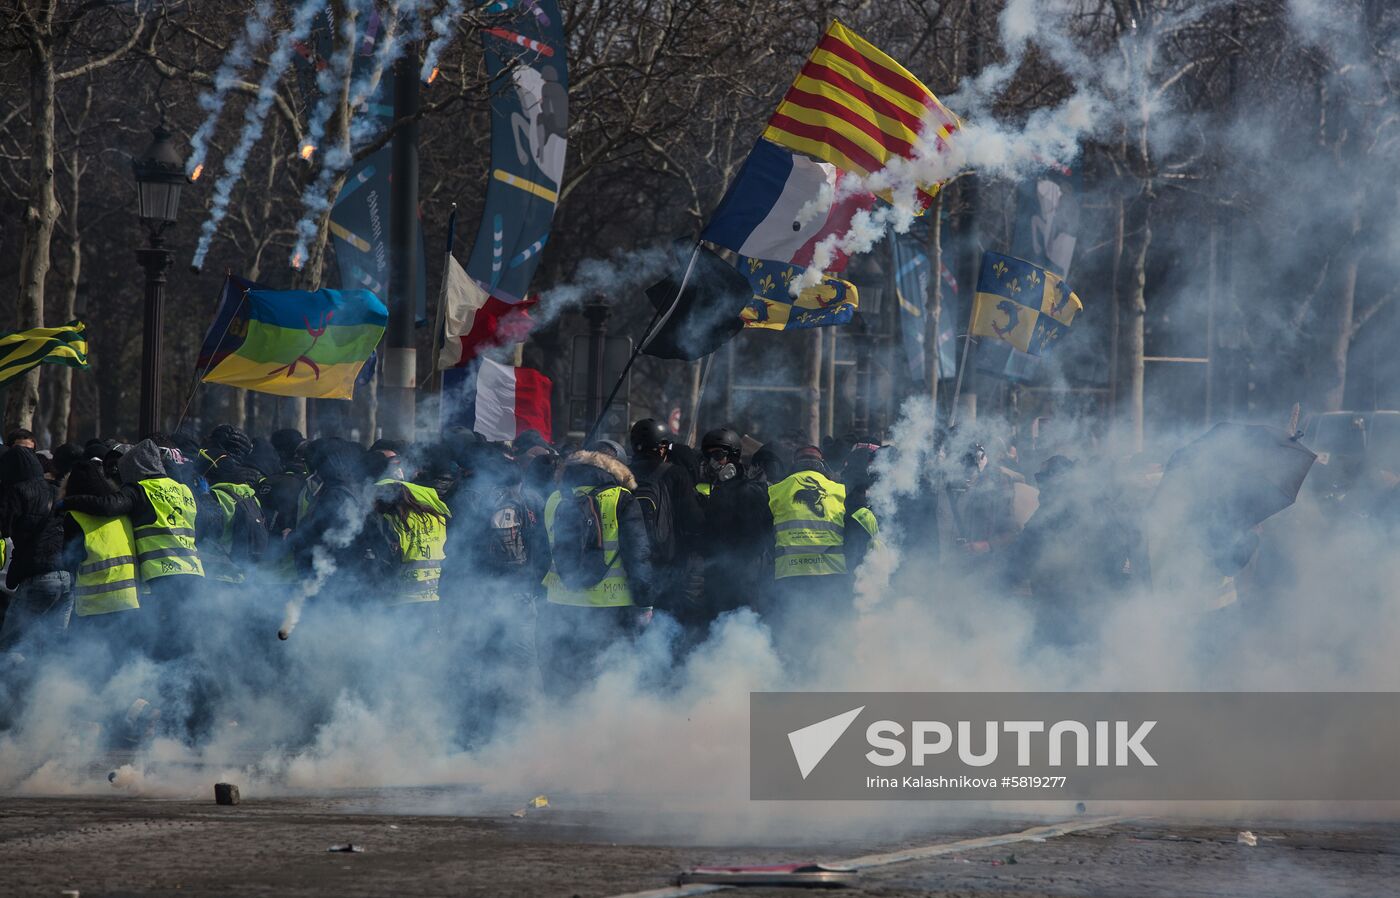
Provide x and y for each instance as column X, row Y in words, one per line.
column 107, row 575
column 220, row 565
column 166, row 546
column 704, row 488
column 422, row 540
column 611, row 591
column 809, row 520
column 866, row 519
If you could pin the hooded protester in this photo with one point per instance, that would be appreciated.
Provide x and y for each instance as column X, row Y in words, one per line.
column 64, row 457
column 600, row 582
column 233, row 537
column 163, row 519
column 111, row 457
column 291, row 449
column 42, row 603
column 284, row 478
column 100, row 556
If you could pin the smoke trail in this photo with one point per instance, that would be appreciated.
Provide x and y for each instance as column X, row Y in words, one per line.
column 363, row 127
column 255, row 33
column 444, row 29
column 329, row 78
column 253, row 119
column 323, row 567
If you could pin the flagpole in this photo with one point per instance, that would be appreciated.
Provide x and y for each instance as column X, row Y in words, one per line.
column 957, row 386
column 693, row 430
column 439, row 324
column 657, row 320
column 199, row 375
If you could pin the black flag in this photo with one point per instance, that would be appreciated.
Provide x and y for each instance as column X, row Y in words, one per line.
column 701, row 317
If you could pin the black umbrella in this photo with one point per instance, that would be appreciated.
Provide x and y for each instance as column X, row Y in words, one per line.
column 1234, row 477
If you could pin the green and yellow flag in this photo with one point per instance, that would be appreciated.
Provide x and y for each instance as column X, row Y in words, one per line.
column 22, row 350
column 292, row 342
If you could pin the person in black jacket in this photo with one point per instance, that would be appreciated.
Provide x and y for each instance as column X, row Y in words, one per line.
column 673, row 540
column 169, row 563
column 737, row 537
column 43, row 600
column 333, row 527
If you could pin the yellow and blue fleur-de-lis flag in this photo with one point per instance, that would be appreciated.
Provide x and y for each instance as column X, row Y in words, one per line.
column 1022, row 304
column 773, row 306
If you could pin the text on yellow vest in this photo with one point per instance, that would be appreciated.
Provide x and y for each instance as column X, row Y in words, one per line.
column 165, row 547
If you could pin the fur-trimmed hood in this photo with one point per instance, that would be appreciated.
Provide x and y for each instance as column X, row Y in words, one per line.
column 595, row 469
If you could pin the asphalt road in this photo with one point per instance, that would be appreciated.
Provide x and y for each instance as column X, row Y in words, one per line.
column 125, row 846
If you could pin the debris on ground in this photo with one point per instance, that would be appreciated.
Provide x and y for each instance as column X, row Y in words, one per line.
column 126, row 777
column 1247, row 838
column 347, row 848
column 539, row 801
column 1080, row 808
column 814, row 875
column 226, row 793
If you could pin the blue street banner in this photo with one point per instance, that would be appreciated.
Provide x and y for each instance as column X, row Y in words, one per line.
column 529, row 90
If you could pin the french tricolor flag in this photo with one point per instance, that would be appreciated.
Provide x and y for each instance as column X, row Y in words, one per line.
column 761, row 215
column 502, row 402
column 474, row 320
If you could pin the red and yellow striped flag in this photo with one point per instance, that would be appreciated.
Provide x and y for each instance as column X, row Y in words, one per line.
column 857, row 108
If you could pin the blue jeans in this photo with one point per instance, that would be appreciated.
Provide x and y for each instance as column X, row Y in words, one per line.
column 38, row 612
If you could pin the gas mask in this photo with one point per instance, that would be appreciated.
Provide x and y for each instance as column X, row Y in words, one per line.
column 720, row 468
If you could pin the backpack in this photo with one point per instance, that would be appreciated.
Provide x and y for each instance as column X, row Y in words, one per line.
column 655, row 503
column 579, row 558
column 248, row 530
column 507, row 527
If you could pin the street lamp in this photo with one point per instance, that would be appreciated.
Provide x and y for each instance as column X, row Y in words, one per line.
column 160, row 174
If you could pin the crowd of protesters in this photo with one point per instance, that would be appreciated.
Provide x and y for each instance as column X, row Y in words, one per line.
column 563, row 551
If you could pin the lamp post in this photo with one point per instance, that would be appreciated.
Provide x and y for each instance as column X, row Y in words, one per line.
column 160, row 173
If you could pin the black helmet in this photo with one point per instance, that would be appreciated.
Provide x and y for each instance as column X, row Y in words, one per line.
column 722, row 438
column 648, row 435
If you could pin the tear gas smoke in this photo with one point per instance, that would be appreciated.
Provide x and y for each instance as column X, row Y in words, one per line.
column 356, row 701
column 254, row 117
column 403, row 24
column 254, row 35
column 444, row 26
